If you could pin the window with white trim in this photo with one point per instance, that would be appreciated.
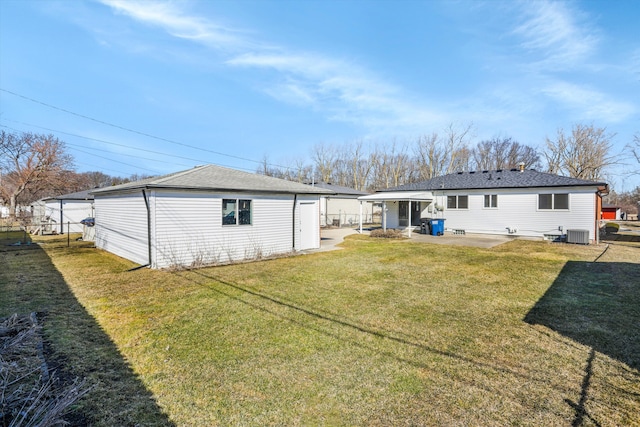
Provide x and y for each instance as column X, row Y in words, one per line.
column 555, row 201
column 457, row 202
column 490, row 200
column 236, row 212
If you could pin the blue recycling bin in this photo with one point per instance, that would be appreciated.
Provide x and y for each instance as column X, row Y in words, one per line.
column 436, row 225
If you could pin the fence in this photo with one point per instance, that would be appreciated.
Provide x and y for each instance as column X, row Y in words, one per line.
column 347, row 219
column 13, row 235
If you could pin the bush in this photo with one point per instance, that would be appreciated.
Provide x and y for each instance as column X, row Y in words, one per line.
column 390, row 233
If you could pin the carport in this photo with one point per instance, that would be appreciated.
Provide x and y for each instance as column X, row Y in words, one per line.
column 400, row 196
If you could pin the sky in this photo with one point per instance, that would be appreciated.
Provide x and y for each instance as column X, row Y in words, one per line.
column 156, row 87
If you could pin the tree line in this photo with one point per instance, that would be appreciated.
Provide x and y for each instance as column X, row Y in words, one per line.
column 34, row 166
column 583, row 152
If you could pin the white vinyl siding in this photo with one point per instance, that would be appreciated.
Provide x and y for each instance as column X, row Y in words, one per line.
column 68, row 214
column 121, row 226
column 188, row 230
column 519, row 211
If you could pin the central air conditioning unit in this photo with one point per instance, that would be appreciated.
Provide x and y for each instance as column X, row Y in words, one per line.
column 580, row 237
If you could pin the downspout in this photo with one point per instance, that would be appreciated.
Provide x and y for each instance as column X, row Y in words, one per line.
column 597, row 215
column 293, row 222
column 146, row 202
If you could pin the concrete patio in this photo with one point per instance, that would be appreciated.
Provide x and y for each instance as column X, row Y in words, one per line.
column 332, row 237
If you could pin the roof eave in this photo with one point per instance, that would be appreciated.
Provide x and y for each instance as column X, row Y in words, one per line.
column 317, row 192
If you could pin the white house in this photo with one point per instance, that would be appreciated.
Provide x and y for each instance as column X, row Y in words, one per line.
column 206, row 215
column 515, row 202
column 342, row 208
column 62, row 214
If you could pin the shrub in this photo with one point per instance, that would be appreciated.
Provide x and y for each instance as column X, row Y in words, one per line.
column 390, row 233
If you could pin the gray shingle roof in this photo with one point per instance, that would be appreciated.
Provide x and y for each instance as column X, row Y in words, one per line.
column 501, row 178
column 80, row 195
column 217, row 178
column 339, row 189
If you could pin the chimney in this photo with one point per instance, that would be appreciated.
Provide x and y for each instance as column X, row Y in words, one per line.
column 521, row 164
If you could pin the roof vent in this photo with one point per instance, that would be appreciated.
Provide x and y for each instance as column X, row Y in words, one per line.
column 521, row 164
column 472, row 172
column 485, row 171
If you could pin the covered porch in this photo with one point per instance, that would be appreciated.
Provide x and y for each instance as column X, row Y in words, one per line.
column 409, row 207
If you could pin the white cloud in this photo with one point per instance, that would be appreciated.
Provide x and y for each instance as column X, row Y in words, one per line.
column 345, row 90
column 588, row 103
column 560, row 35
column 342, row 90
column 181, row 25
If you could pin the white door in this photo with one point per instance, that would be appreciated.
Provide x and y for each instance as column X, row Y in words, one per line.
column 309, row 227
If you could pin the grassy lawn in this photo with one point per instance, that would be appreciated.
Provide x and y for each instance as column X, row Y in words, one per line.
column 380, row 333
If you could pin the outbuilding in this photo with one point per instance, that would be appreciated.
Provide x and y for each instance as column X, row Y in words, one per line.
column 516, row 202
column 342, row 208
column 611, row 212
column 205, row 216
column 63, row 214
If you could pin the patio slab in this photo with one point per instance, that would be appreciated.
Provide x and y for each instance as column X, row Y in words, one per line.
column 331, row 237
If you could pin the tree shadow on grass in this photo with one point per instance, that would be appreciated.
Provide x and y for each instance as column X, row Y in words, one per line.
column 596, row 304
column 75, row 346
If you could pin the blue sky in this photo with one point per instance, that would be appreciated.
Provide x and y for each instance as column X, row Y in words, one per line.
column 156, row 87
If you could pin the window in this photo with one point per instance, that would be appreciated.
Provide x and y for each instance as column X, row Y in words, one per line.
column 553, row 201
column 545, row 201
column 490, row 200
column 452, row 202
column 458, row 202
column 236, row 212
column 561, row 201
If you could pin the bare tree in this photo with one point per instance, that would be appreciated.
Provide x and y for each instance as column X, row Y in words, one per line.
column 519, row 153
column 360, row 166
column 584, row 153
column 267, row 169
column 503, row 153
column 301, row 171
column 29, row 163
column 634, row 147
column 457, row 145
column 324, row 157
column 439, row 155
column 430, row 156
column 391, row 166
column 97, row 179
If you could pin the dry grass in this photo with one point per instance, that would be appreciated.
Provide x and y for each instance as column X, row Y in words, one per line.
column 384, row 332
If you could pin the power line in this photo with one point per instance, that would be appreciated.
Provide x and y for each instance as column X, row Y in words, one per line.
column 174, row 156
column 116, row 161
column 132, row 130
column 106, row 142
